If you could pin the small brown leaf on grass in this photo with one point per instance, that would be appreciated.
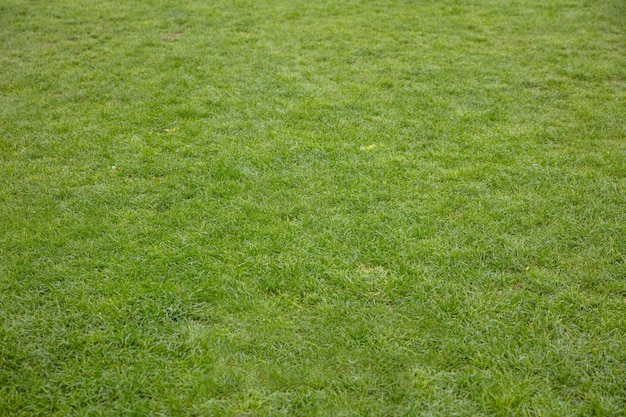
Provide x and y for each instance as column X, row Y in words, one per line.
column 172, row 36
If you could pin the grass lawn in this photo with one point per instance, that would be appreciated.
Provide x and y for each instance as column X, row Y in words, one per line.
column 298, row 208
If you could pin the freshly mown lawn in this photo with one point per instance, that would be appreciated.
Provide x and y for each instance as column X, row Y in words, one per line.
column 331, row 208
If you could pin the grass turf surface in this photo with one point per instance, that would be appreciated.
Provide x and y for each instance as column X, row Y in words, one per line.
column 312, row 208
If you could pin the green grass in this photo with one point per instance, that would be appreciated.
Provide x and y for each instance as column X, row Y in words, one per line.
column 261, row 208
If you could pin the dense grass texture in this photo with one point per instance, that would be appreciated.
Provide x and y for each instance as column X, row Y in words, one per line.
column 300, row 208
